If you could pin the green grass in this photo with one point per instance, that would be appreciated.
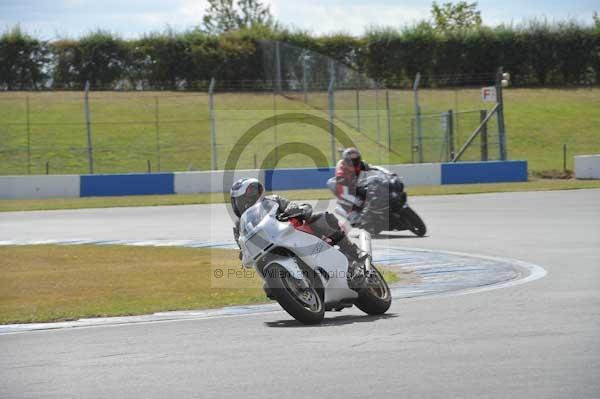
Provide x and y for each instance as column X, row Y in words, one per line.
column 43, row 283
column 540, row 121
column 52, row 282
column 189, row 199
column 127, row 132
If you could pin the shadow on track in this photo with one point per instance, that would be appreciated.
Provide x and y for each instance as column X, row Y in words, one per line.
column 332, row 321
column 395, row 236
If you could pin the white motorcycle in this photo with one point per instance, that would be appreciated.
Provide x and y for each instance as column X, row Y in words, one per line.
column 305, row 274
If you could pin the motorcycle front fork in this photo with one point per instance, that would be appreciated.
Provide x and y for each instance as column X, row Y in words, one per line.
column 364, row 238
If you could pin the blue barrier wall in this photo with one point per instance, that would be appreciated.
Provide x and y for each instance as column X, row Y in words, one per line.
column 297, row 179
column 126, row 184
column 484, row 172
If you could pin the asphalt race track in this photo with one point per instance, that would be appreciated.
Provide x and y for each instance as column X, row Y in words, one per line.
column 536, row 340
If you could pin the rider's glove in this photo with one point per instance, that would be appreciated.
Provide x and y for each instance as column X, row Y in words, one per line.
column 293, row 210
column 353, row 199
column 236, row 233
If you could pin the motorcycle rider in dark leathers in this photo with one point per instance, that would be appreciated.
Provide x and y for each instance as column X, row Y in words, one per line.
column 247, row 191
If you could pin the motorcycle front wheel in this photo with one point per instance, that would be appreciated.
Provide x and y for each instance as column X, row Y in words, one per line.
column 374, row 230
column 376, row 298
column 303, row 304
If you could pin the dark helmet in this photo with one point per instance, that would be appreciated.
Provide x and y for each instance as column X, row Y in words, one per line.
column 244, row 193
column 352, row 156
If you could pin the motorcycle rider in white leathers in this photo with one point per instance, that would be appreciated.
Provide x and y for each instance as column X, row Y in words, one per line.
column 247, row 191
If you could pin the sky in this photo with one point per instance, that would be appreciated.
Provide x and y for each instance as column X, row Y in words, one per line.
column 51, row 19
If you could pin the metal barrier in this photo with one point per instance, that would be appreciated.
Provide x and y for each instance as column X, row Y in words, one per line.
column 19, row 187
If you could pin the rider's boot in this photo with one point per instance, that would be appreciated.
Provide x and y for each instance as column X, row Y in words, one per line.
column 354, row 217
column 356, row 258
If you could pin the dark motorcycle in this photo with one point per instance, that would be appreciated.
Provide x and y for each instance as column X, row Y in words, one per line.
column 385, row 204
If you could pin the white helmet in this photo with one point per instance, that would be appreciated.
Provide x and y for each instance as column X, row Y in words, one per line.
column 244, row 193
column 352, row 156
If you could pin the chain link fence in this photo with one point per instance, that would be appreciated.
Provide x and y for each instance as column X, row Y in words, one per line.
column 131, row 131
column 453, row 120
column 306, row 110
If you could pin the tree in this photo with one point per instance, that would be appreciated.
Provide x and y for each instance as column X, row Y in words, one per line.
column 227, row 15
column 98, row 57
column 103, row 58
column 161, row 60
column 462, row 15
column 22, row 60
column 596, row 54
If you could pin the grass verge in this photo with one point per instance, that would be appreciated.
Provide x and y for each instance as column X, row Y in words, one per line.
column 43, row 283
column 191, row 199
column 170, row 130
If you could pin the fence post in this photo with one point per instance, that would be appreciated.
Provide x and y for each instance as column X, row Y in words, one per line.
column 88, row 125
column 475, row 133
column 213, row 125
column 157, row 129
column 389, row 119
column 418, row 116
column 412, row 140
column 358, row 105
column 304, row 77
column 358, row 109
column 28, row 136
column 457, row 130
column 484, row 135
column 500, row 113
column 377, row 125
column 331, row 101
column 331, row 70
column 450, row 134
column 275, row 132
column 277, row 67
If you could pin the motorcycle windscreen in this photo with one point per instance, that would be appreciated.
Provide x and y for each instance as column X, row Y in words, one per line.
column 254, row 215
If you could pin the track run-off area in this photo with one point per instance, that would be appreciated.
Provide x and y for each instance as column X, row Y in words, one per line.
column 538, row 339
column 427, row 273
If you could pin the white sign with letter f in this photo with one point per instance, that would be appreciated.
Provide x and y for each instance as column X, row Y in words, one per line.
column 488, row 94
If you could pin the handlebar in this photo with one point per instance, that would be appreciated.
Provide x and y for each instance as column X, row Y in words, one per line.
column 283, row 218
column 383, row 170
column 286, row 218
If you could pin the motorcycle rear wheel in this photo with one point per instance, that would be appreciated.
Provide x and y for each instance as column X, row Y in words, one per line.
column 305, row 305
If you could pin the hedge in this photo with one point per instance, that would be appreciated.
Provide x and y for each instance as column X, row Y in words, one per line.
column 538, row 53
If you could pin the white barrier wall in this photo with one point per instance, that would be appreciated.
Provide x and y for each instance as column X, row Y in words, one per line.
column 15, row 187
column 210, row 181
column 214, row 181
column 587, row 166
column 424, row 174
